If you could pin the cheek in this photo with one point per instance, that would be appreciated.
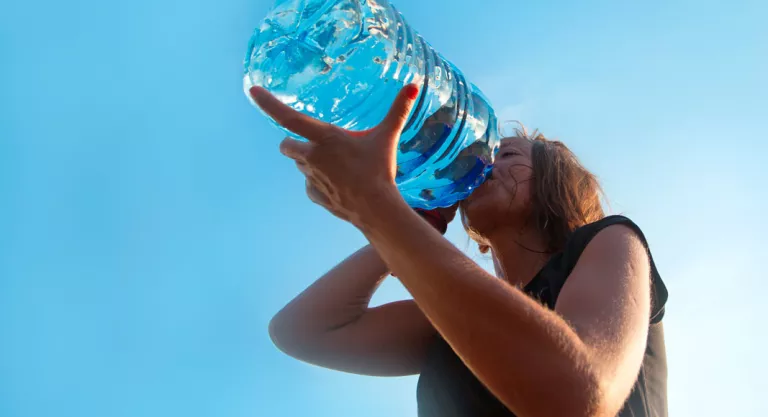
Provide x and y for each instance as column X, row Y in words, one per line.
column 513, row 170
column 508, row 193
column 522, row 176
column 517, row 195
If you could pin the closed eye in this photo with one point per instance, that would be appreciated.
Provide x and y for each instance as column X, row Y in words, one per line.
column 505, row 154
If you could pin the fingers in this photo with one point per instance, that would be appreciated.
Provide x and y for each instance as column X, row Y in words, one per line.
column 316, row 195
column 303, row 168
column 296, row 122
column 319, row 197
column 299, row 151
column 401, row 108
column 296, row 149
column 315, row 178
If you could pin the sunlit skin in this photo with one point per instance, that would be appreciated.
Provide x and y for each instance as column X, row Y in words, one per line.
column 579, row 360
column 499, row 211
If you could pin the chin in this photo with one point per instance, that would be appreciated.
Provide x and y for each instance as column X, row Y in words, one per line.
column 492, row 212
column 479, row 213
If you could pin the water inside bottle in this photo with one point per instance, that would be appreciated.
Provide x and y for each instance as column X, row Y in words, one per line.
column 328, row 59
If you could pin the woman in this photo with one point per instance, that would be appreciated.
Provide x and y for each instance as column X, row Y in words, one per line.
column 572, row 328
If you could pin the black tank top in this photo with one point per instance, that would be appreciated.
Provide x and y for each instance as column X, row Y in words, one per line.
column 447, row 388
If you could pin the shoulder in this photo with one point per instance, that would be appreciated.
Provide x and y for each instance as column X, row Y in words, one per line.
column 614, row 253
column 611, row 252
column 605, row 236
column 613, row 237
column 618, row 224
column 607, row 295
column 616, row 248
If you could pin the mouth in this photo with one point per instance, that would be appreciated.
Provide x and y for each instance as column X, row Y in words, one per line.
column 488, row 183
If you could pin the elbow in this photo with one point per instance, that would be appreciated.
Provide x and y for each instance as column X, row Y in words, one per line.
column 584, row 395
column 282, row 335
column 589, row 399
column 588, row 404
column 275, row 332
column 292, row 339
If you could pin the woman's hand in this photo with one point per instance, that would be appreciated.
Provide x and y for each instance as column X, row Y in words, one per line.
column 346, row 171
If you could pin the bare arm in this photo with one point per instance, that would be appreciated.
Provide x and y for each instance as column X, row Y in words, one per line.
column 574, row 362
column 578, row 361
column 331, row 325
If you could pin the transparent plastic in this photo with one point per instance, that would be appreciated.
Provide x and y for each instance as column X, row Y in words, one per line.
column 344, row 61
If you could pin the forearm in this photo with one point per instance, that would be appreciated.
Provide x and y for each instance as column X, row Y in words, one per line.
column 525, row 354
column 338, row 298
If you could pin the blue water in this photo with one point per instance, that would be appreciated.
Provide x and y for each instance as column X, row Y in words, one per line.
column 344, row 61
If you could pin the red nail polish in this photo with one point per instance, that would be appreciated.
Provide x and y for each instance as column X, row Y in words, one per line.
column 412, row 92
column 256, row 91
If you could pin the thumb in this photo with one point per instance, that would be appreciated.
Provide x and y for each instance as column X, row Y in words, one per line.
column 398, row 114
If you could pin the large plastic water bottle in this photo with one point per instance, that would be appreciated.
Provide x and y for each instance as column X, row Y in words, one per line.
column 344, row 61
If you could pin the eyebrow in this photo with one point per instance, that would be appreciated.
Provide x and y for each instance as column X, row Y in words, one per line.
column 513, row 146
column 508, row 145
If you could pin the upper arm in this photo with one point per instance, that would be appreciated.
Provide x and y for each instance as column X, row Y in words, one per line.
column 388, row 340
column 606, row 300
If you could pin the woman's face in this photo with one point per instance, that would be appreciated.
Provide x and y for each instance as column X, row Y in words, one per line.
column 504, row 199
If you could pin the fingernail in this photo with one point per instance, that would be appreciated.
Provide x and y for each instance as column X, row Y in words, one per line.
column 412, row 91
column 256, row 91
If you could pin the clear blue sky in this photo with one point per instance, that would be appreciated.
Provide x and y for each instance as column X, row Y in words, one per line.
column 149, row 228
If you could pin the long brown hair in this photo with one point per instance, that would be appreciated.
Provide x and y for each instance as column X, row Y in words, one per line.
column 565, row 194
